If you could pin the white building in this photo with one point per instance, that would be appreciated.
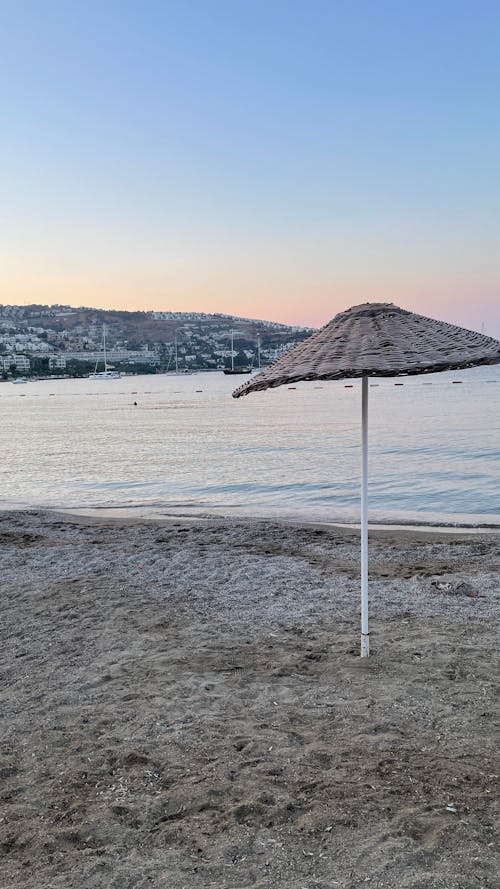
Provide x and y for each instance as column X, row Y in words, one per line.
column 57, row 362
column 115, row 355
column 20, row 361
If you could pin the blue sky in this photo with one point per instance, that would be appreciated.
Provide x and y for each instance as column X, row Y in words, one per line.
column 273, row 159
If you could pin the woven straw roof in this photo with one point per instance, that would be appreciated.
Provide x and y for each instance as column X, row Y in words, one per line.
column 377, row 339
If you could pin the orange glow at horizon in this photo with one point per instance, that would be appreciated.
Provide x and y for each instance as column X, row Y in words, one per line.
column 287, row 298
column 304, row 290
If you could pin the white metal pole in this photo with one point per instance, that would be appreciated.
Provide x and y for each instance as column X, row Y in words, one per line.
column 365, row 636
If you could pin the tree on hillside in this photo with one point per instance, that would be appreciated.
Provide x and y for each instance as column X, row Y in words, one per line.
column 240, row 360
column 39, row 367
column 77, row 368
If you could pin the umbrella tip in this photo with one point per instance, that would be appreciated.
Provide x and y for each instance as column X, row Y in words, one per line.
column 371, row 309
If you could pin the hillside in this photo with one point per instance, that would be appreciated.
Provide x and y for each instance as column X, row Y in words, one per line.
column 58, row 334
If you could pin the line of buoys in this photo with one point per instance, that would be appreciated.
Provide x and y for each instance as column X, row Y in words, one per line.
column 377, row 385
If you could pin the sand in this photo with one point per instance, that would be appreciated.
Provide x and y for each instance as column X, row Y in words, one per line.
column 183, row 705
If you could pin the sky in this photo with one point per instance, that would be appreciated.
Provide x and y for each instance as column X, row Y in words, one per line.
column 268, row 158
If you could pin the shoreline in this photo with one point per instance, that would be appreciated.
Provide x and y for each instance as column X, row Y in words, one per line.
column 132, row 514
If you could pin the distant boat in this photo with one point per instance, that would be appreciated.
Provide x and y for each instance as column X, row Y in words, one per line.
column 105, row 375
column 108, row 373
column 19, row 381
column 177, row 372
column 235, row 370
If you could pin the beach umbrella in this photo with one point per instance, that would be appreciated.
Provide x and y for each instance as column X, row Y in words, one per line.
column 375, row 340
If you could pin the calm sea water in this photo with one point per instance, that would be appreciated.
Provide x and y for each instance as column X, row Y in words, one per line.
column 189, row 448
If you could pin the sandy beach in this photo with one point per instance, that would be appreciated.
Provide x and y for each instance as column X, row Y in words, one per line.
column 183, row 705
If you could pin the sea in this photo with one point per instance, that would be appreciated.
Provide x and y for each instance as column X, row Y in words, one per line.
column 166, row 445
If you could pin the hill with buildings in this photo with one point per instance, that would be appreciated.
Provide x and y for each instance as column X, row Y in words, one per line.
column 38, row 340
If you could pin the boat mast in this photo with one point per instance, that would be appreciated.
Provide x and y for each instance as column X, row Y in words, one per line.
column 258, row 350
column 232, row 350
column 104, row 346
column 176, row 357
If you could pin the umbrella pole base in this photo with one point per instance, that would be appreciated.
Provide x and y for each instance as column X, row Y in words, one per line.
column 365, row 644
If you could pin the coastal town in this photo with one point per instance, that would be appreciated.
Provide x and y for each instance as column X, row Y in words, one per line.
column 59, row 340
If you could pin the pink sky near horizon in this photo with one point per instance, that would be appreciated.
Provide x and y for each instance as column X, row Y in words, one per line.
column 293, row 296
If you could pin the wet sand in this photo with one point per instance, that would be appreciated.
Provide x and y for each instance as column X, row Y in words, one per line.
column 183, row 705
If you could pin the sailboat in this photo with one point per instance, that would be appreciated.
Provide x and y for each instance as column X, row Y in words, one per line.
column 233, row 369
column 178, row 372
column 108, row 373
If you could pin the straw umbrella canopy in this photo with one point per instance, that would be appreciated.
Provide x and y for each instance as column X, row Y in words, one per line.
column 375, row 340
